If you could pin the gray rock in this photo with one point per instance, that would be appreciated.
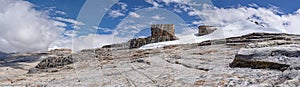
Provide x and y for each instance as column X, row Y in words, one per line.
column 204, row 30
column 50, row 62
column 159, row 33
column 184, row 65
column 278, row 58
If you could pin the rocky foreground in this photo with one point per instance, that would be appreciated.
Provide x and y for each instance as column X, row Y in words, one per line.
column 256, row 60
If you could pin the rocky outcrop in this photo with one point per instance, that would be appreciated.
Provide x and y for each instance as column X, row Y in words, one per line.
column 159, row 30
column 204, row 30
column 265, row 60
column 51, row 62
column 136, row 43
column 60, row 51
column 159, row 33
column 119, row 46
column 278, row 58
column 268, row 39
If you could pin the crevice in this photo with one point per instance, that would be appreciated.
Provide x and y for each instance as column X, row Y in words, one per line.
column 140, row 72
column 187, row 66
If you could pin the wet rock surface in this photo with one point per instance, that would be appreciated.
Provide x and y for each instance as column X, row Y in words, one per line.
column 206, row 64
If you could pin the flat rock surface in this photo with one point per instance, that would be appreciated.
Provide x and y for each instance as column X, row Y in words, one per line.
column 202, row 64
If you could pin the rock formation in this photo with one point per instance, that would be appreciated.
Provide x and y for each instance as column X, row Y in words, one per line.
column 52, row 61
column 159, row 30
column 253, row 60
column 278, row 57
column 204, row 30
column 159, row 33
column 60, row 51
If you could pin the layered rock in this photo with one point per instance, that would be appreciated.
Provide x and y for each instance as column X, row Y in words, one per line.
column 159, row 33
column 278, row 58
column 119, row 46
column 204, row 30
column 60, row 51
column 201, row 65
column 51, row 62
column 159, row 30
column 256, row 38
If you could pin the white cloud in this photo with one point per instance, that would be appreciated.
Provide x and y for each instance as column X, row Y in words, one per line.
column 52, row 10
column 176, row 1
column 177, row 10
column 115, row 13
column 197, row 22
column 69, row 20
column 134, row 15
column 137, row 8
column 253, row 5
column 185, row 5
column 291, row 22
column 85, row 42
column 154, row 3
column 123, row 5
column 70, row 33
column 59, row 24
column 238, row 20
column 103, row 29
column 75, row 24
column 158, row 17
column 61, row 12
column 22, row 28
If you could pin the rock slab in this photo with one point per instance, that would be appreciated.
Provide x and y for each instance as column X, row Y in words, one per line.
column 278, row 57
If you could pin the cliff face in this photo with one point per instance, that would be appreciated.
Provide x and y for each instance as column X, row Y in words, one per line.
column 159, row 33
column 255, row 60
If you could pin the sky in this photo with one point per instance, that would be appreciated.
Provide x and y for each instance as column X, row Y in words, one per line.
column 35, row 25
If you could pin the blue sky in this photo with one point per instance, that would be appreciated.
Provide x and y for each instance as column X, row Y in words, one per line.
column 73, row 7
column 33, row 25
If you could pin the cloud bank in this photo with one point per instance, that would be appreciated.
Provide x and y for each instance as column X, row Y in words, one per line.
column 23, row 29
column 248, row 19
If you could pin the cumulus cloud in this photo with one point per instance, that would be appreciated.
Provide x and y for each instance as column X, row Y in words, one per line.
column 102, row 29
column 177, row 10
column 85, row 42
column 176, row 1
column 115, row 13
column 123, row 5
column 158, row 17
column 70, row 33
column 248, row 19
column 60, row 12
column 134, row 15
column 23, row 29
column 154, row 3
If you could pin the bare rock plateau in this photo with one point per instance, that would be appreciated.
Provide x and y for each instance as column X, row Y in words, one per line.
column 253, row 60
